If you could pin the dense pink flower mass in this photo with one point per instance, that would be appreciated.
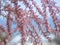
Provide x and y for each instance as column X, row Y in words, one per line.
column 29, row 24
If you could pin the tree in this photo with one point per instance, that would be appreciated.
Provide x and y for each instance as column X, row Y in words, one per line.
column 24, row 17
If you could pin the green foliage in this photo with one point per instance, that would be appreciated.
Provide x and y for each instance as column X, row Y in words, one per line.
column 2, row 37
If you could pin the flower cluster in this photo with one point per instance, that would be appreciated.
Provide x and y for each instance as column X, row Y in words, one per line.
column 24, row 18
